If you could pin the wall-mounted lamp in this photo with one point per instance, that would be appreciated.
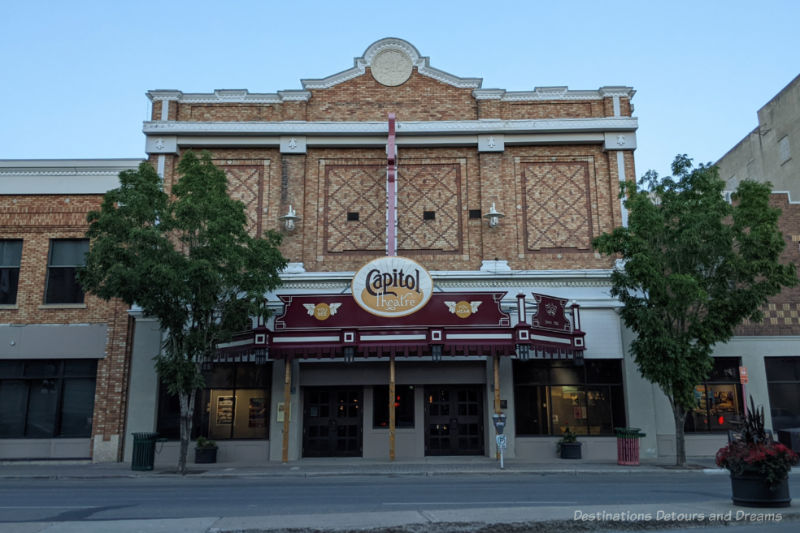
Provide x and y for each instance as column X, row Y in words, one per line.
column 289, row 219
column 523, row 352
column 494, row 216
column 436, row 352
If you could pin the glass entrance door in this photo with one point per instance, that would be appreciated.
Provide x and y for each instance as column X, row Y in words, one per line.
column 453, row 420
column 332, row 422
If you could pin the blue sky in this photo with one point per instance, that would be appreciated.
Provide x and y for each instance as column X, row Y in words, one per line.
column 73, row 75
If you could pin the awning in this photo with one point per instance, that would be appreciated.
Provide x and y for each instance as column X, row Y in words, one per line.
column 450, row 325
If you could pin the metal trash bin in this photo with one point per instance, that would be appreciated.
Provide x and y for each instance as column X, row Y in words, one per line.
column 628, row 445
column 144, row 451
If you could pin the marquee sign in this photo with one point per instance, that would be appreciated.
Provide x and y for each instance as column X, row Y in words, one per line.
column 392, row 287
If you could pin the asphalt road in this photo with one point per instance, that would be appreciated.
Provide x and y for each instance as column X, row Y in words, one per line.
column 169, row 497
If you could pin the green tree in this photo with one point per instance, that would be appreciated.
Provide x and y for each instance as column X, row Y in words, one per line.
column 186, row 260
column 693, row 267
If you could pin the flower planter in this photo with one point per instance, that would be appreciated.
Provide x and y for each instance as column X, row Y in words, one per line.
column 752, row 490
column 205, row 455
column 570, row 450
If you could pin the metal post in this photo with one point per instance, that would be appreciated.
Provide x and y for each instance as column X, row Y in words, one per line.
column 392, row 419
column 496, row 364
column 287, row 404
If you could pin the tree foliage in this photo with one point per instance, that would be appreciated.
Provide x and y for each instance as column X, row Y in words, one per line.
column 694, row 267
column 186, row 260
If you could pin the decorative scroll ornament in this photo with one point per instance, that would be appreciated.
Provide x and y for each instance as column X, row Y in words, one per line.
column 322, row 311
column 462, row 309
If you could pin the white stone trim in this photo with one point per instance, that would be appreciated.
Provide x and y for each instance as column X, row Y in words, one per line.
column 405, row 128
column 233, row 96
column 550, row 339
column 322, row 338
column 398, row 337
column 62, row 176
column 621, row 173
column 478, row 336
column 360, row 65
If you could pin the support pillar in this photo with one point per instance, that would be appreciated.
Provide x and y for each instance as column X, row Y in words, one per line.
column 392, row 419
column 287, row 409
column 496, row 365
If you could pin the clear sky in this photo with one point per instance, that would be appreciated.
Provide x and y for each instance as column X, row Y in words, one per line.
column 73, row 74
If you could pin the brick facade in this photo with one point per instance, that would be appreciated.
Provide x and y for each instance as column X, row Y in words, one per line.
column 37, row 220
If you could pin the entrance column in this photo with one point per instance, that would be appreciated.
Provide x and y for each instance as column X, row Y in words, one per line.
column 496, row 364
column 287, row 402
column 392, row 419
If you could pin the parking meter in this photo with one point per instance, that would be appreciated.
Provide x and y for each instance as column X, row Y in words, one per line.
column 499, row 420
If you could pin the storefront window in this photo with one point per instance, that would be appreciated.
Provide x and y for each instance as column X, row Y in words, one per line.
column 403, row 406
column 718, row 401
column 47, row 398
column 234, row 404
column 783, row 383
column 550, row 396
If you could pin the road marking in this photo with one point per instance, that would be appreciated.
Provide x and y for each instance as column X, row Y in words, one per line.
column 500, row 502
column 50, row 507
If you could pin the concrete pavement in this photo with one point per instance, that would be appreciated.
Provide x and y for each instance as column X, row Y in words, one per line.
column 348, row 467
column 544, row 518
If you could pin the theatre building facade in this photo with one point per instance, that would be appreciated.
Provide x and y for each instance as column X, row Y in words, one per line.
column 439, row 240
column 440, row 271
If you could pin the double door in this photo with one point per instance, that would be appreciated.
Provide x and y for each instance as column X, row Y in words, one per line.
column 453, row 420
column 332, row 422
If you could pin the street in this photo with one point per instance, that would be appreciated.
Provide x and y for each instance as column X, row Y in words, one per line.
column 171, row 497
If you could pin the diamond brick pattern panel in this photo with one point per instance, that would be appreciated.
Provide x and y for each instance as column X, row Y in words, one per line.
column 429, row 187
column 355, row 189
column 245, row 184
column 557, row 209
column 421, row 187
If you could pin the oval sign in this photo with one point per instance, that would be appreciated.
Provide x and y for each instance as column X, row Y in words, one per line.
column 392, row 287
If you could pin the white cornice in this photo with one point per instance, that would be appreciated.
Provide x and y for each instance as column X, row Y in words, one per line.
column 48, row 176
column 229, row 96
column 359, row 68
column 461, row 127
column 360, row 65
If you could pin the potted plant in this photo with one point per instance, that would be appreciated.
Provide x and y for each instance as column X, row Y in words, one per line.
column 759, row 466
column 205, row 451
column 568, row 446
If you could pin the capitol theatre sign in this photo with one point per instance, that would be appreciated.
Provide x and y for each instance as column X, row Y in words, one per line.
column 392, row 287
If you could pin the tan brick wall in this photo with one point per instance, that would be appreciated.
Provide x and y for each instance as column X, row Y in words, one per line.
column 782, row 313
column 37, row 220
column 450, row 181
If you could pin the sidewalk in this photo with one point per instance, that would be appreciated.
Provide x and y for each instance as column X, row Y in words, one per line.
column 431, row 466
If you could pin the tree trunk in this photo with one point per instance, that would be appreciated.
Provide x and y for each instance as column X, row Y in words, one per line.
column 679, row 414
column 186, row 401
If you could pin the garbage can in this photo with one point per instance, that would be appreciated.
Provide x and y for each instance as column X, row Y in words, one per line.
column 628, row 445
column 144, row 451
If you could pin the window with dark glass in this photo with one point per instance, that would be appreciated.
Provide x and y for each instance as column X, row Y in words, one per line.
column 47, row 398
column 550, row 396
column 783, row 385
column 718, row 400
column 10, row 257
column 66, row 256
column 403, row 406
column 233, row 405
